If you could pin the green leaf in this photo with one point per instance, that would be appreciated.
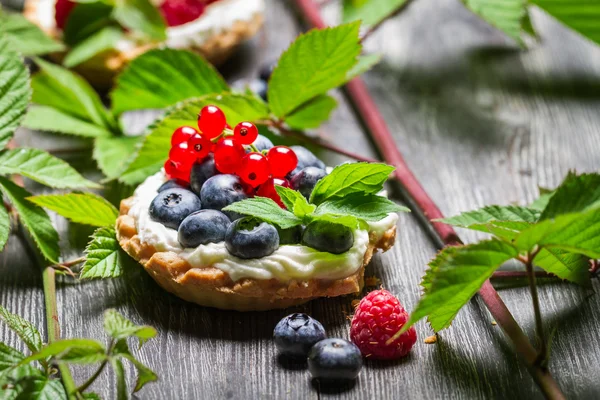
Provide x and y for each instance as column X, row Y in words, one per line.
column 580, row 15
column 50, row 119
column 34, row 218
column 15, row 91
column 364, row 64
column 145, row 374
column 455, row 275
column 99, row 42
column 23, row 328
column 346, row 179
column 82, row 208
column 505, row 15
column 148, row 81
column 60, row 88
column 312, row 114
column 120, row 327
column 366, row 207
column 25, row 37
column 295, row 202
column 77, row 351
column 541, row 202
column 347, row 220
column 315, row 63
column 569, row 266
column 103, row 256
column 85, row 20
column 4, row 227
column 370, row 12
column 42, row 167
column 121, row 383
column 39, row 387
column 9, row 357
column 575, row 194
column 141, row 16
column 91, row 396
column 112, row 153
column 266, row 210
column 155, row 149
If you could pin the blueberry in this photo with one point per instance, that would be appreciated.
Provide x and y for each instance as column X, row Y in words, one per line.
column 305, row 159
column 220, row 191
column 295, row 334
column 291, row 235
column 201, row 172
column 328, row 236
column 249, row 238
column 305, row 180
column 203, row 227
column 266, row 70
column 261, row 143
column 173, row 183
column 334, row 359
column 171, row 206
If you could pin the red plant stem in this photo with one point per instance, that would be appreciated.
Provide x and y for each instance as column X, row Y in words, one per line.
column 374, row 121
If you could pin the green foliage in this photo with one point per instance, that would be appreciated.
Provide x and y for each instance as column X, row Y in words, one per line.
column 370, row 12
column 364, row 64
column 312, row 113
column 577, row 193
column 570, row 266
column 295, row 202
column 113, row 152
column 580, row 15
column 266, row 210
column 507, row 15
column 103, row 256
column 85, row 20
column 23, row 328
column 366, row 207
column 93, row 45
column 50, row 119
column 140, row 16
column 25, row 37
column 4, row 227
column 82, row 208
column 119, row 327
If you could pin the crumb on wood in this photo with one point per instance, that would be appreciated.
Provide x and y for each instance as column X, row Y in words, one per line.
column 494, row 323
column 354, row 303
column 372, row 281
column 430, row 339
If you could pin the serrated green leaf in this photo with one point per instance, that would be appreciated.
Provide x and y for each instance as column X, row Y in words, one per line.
column 266, row 210
column 85, row 20
column 370, row 12
column 9, row 357
column 312, row 114
column 141, row 16
column 82, row 208
column 42, row 167
column 25, row 37
column 121, row 383
column 4, row 227
column 23, row 328
column 101, row 41
column 112, row 153
column 155, row 149
column 120, row 327
column 103, row 256
column 148, row 81
column 577, row 193
column 38, row 387
column 315, row 63
column 15, row 91
column 505, row 15
column 541, row 202
column 77, row 351
column 34, row 218
column 580, row 15
column 50, row 119
column 366, row 207
column 364, row 64
column 456, row 274
column 569, row 266
column 295, row 202
column 346, row 179
column 145, row 374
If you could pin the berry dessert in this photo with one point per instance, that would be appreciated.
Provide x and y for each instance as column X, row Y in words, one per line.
column 232, row 222
column 213, row 28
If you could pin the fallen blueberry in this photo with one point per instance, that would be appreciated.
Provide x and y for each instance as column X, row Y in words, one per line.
column 295, row 334
column 334, row 359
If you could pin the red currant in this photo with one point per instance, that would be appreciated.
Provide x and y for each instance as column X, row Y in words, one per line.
column 182, row 134
column 245, row 133
column 255, row 169
column 211, row 121
column 182, row 155
column 283, row 160
column 174, row 170
column 199, row 146
column 267, row 189
column 228, row 156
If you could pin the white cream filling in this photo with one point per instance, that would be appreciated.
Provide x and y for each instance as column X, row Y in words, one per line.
column 217, row 18
column 286, row 263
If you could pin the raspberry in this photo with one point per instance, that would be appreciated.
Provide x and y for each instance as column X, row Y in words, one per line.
column 179, row 12
column 62, row 10
column 378, row 317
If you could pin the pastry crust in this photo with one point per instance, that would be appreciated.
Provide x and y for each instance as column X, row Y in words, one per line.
column 210, row 286
column 101, row 69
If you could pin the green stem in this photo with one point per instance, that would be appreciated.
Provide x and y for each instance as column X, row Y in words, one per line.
column 539, row 327
column 254, row 148
column 92, row 378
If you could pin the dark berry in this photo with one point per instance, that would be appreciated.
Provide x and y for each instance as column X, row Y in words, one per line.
column 182, row 134
column 261, row 143
column 211, row 121
column 173, row 183
column 228, row 156
column 201, row 172
column 328, row 236
column 245, row 133
column 203, row 227
column 291, row 235
column 334, row 359
column 170, row 207
column 266, row 70
column 255, row 169
column 220, row 191
column 295, row 334
column 305, row 159
column 306, row 180
column 283, row 160
column 249, row 238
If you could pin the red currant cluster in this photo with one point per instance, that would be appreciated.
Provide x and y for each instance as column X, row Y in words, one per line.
column 260, row 171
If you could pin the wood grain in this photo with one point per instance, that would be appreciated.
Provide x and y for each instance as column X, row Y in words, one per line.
column 479, row 122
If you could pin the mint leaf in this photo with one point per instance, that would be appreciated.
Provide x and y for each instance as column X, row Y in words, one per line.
column 155, row 149
column 112, row 153
column 312, row 113
column 120, row 374
column 103, row 256
column 266, row 210
column 42, row 167
column 119, row 327
column 25, row 37
column 315, row 63
column 101, row 41
column 346, row 179
column 364, row 64
column 77, row 351
column 365, row 207
column 347, row 220
column 14, row 91
column 507, row 16
column 34, row 218
column 148, row 81
column 23, row 328
column 86, row 19
column 455, row 275
column 370, row 12
column 569, row 266
column 141, row 16
column 82, row 208
column 50, row 119
column 39, row 387
column 4, row 227
column 145, row 374
column 9, row 357
column 294, row 202
column 575, row 194
column 580, row 15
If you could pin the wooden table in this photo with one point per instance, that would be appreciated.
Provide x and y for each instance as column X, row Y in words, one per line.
column 479, row 122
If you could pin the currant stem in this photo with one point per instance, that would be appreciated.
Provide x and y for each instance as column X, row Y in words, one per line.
column 254, row 148
column 542, row 358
